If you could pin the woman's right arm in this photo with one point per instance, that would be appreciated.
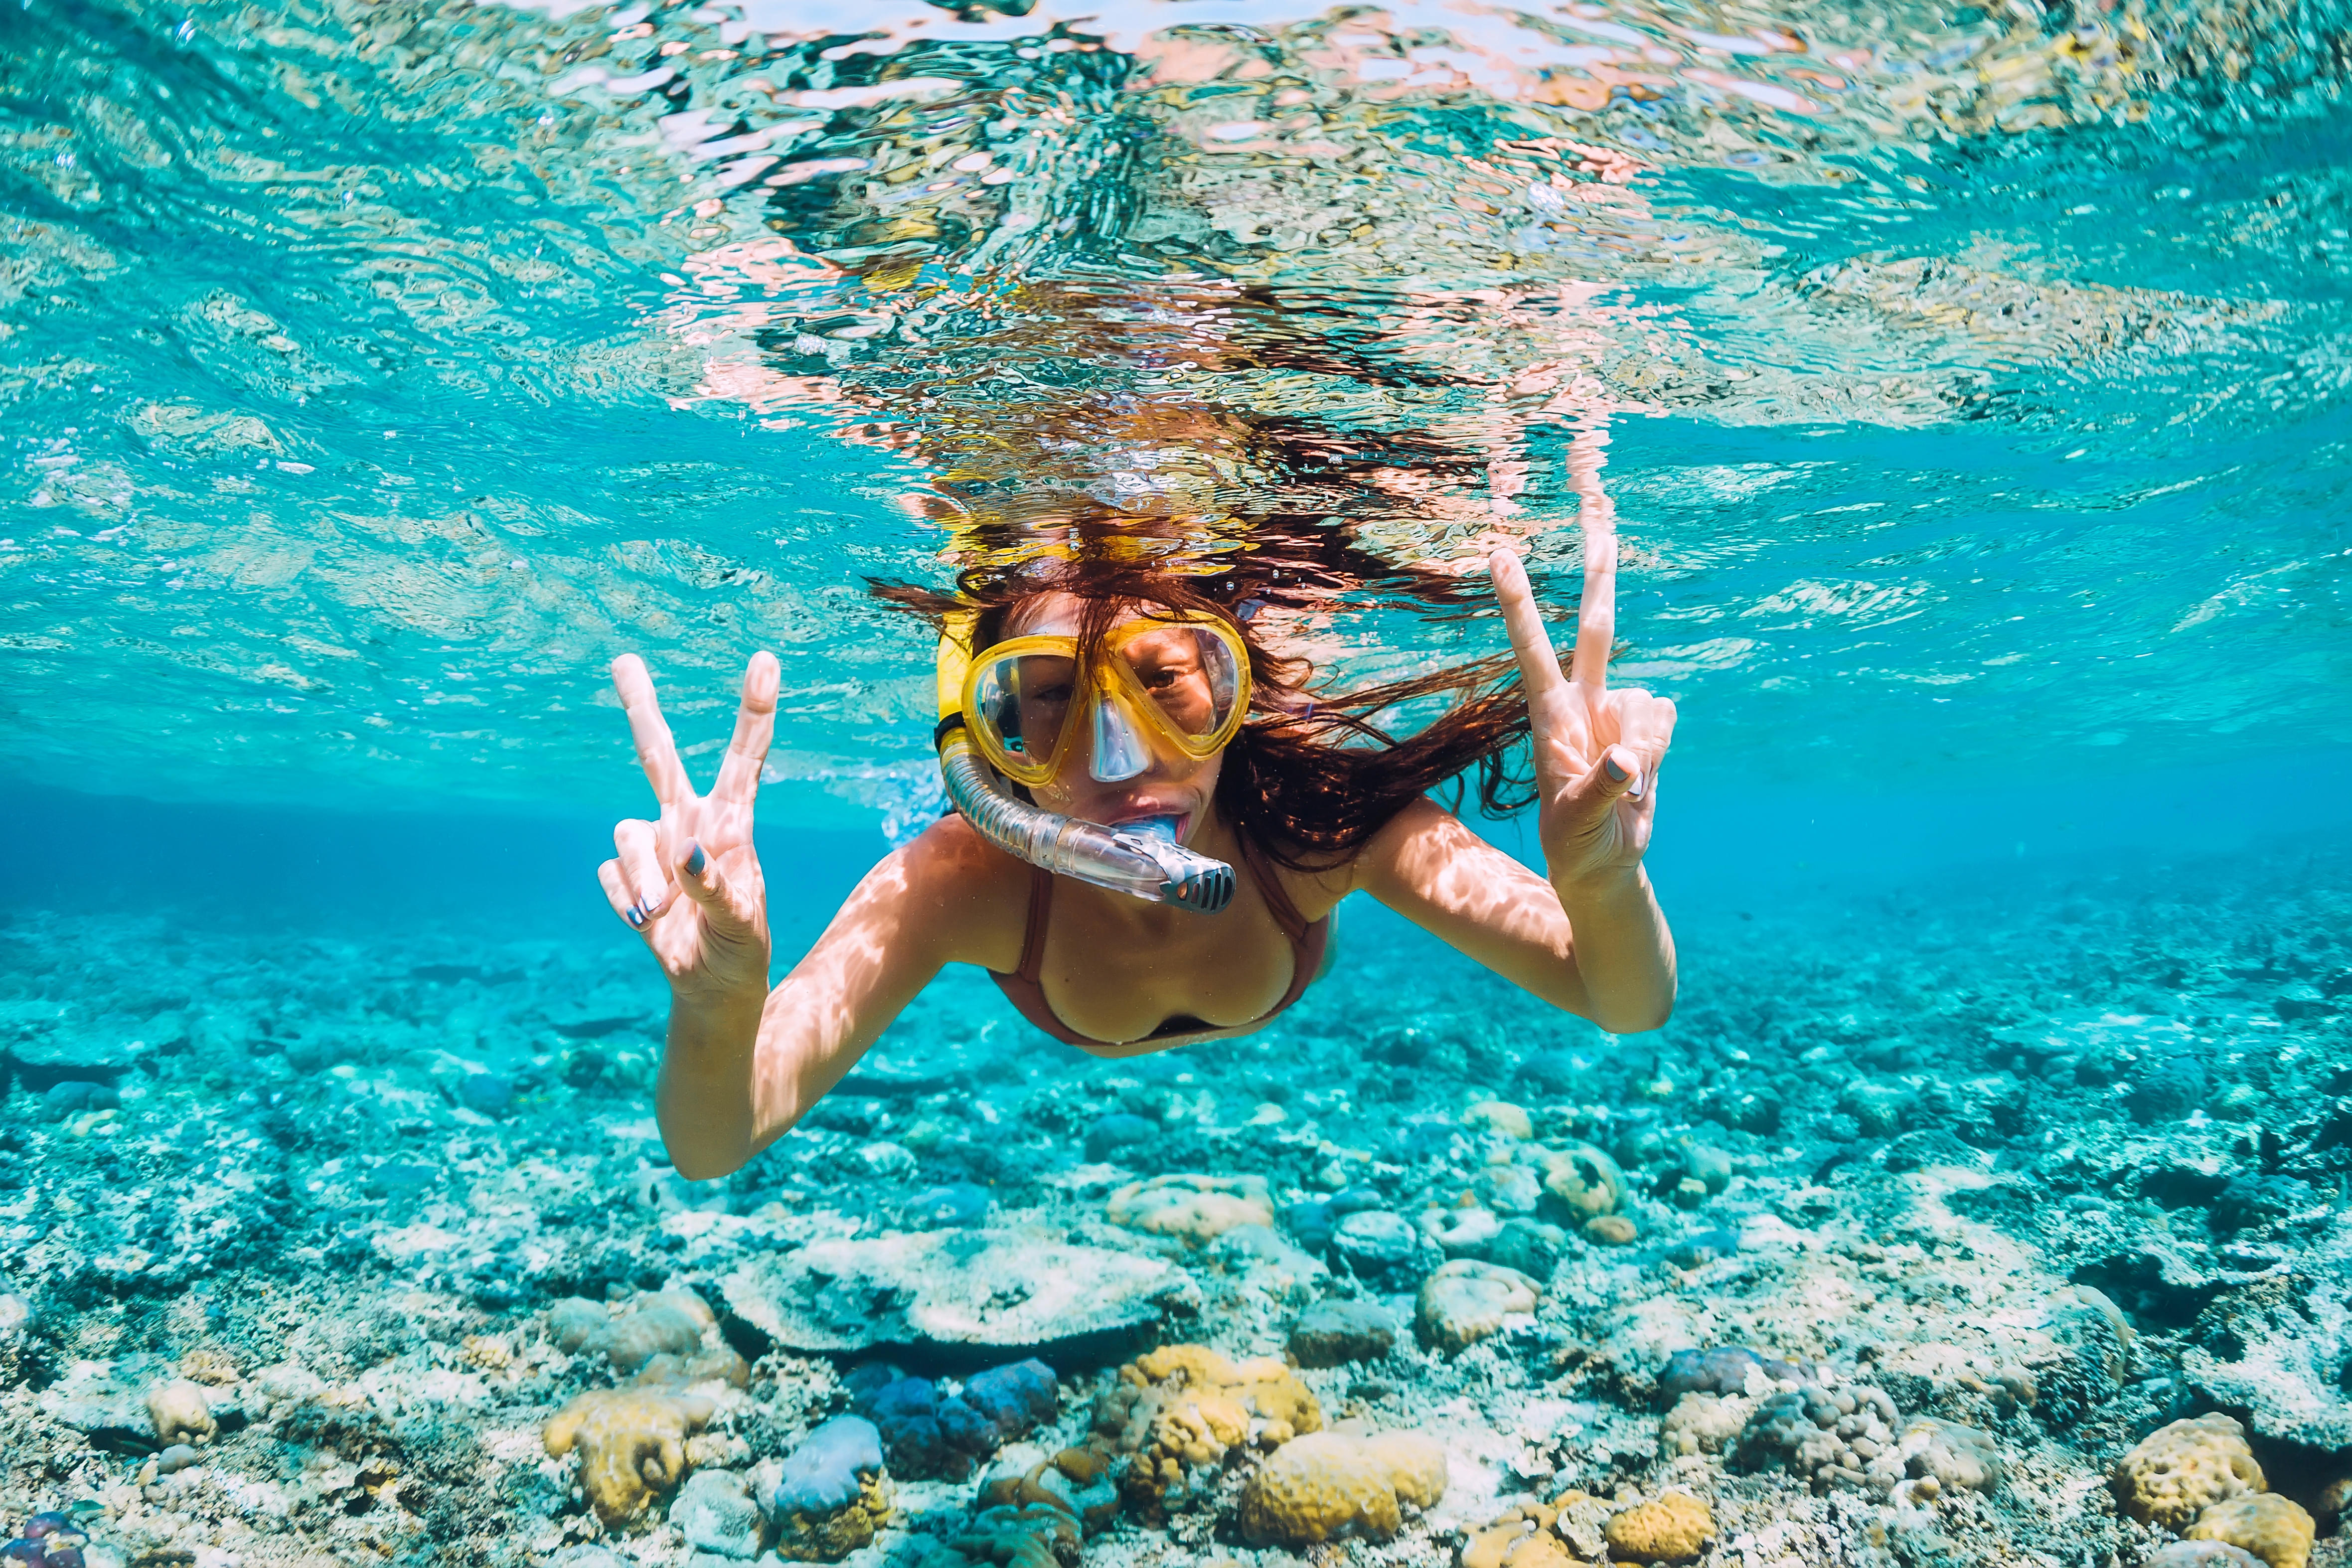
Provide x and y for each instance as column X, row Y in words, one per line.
column 740, row 1069
column 745, row 1063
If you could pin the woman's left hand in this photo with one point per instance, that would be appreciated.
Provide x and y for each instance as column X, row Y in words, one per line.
column 1597, row 751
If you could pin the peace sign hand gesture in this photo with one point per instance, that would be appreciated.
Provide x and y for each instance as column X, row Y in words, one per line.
column 690, row 883
column 1596, row 750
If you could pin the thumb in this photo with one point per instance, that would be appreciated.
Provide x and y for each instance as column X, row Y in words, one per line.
column 699, row 878
column 1618, row 773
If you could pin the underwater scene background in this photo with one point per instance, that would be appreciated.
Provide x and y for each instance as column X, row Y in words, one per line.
column 1969, row 383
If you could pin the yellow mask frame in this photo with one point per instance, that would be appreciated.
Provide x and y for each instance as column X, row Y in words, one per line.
column 1112, row 678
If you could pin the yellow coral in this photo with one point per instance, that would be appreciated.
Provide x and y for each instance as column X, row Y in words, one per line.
column 1611, row 1230
column 2178, row 1471
column 1467, row 1301
column 1194, row 1208
column 2273, row 1528
column 1583, row 1183
column 631, row 1443
column 1516, row 1546
column 1667, row 1530
column 1327, row 1485
column 829, row 1537
column 1522, row 1538
column 1501, row 1116
column 1184, row 1407
column 181, row 1413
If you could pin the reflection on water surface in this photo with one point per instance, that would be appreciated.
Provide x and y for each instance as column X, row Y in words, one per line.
column 375, row 371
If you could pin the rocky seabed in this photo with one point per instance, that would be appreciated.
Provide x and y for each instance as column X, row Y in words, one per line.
column 2008, row 1227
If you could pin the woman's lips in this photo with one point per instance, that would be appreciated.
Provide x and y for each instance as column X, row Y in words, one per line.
column 1182, row 819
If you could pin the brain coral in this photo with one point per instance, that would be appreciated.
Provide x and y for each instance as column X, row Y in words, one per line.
column 631, row 1441
column 1327, row 1486
column 1184, row 1408
column 832, row 1494
column 1466, row 1301
column 2178, row 1471
column 2273, row 1528
column 1669, row 1529
column 1197, row 1209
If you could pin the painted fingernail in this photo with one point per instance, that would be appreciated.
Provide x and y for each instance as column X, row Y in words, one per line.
column 1615, row 770
column 633, row 916
column 693, row 860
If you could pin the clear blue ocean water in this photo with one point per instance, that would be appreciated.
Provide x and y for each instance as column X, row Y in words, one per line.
column 1971, row 383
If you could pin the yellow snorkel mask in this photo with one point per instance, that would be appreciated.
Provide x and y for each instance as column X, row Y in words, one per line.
column 1018, row 709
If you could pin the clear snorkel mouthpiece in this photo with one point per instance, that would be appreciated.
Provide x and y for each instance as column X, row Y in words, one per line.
column 1144, row 864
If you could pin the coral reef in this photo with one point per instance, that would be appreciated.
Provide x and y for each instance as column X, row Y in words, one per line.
column 1329, row 1486
column 2271, row 1527
column 831, row 1492
column 1193, row 1208
column 631, row 1443
column 1669, row 1529
column 1466, row 1301
column 1842, row 1436
column 929, row 1432
column 1183, row 1409
column 2176, row 1473
column 425, row 1333
column 1332, row 1333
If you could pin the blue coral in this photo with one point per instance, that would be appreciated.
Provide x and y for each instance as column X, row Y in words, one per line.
column 823, row 1474
column 931, row 1434
column 1015, row 1398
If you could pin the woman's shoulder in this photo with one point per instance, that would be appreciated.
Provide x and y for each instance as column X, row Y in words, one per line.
column 975, row 894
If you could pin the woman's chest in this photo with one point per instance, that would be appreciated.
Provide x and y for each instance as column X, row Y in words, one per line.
column 1233, row 969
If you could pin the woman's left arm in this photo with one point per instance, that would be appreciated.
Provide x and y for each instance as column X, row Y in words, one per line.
column 1589, row 936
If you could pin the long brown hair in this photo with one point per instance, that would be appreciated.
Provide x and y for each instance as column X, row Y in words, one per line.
column 1313, row 774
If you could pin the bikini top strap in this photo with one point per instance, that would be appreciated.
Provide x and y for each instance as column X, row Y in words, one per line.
column 1033, row 936
column 1269, row 888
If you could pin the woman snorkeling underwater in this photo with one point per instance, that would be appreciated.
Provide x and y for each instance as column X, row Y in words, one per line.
column 1124, row 755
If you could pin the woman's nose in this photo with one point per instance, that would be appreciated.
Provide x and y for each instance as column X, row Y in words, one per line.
column 1117, row 749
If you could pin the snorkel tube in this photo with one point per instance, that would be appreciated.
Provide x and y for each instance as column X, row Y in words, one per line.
column 1157, row 871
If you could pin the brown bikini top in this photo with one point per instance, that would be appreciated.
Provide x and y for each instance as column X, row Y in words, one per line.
column 1027, row 991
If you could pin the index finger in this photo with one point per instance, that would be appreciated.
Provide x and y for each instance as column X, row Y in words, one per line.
column 1596, row 611
column 755, row 728
column 656, row 752
column 1523, row 619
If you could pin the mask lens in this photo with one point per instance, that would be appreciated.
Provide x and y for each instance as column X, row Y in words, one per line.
column 1022, row 704
column 1191, row 675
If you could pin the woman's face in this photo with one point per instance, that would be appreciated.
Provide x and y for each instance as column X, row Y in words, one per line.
column 1170, row 784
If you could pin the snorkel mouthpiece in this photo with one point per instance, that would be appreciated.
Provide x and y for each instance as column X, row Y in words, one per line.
column 1143, row 860
column 1159, row 870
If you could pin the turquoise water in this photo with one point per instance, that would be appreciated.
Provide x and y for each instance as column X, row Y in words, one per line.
column 1970, row 383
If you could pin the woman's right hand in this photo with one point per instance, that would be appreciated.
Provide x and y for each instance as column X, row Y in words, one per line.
column 690, row 883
